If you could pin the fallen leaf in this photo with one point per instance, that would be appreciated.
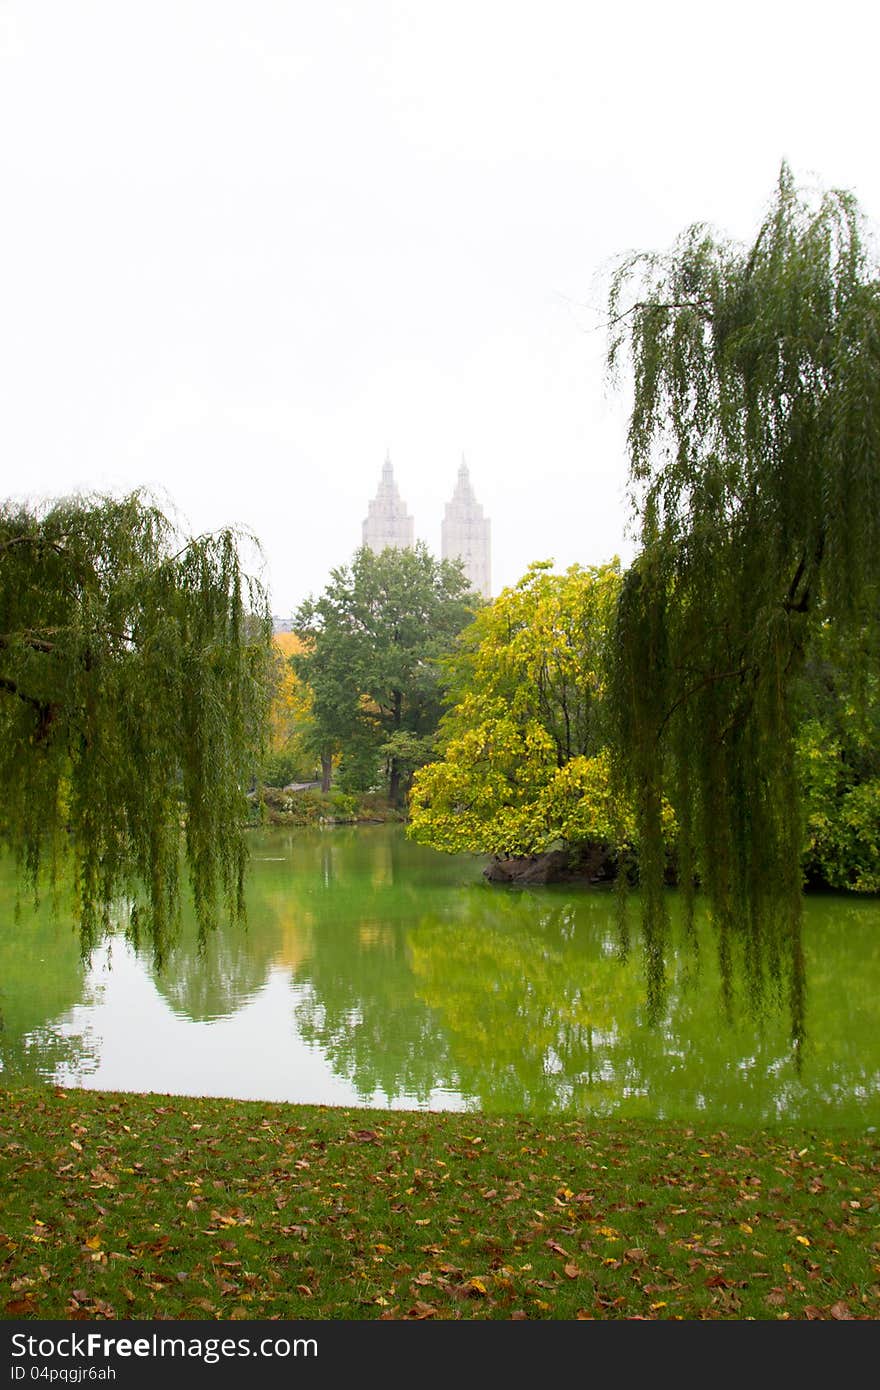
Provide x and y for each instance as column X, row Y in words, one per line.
column 20, row 1307
column 422, row 1310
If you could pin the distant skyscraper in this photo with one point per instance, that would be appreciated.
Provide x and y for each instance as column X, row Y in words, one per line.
column 387, row 523
column 465, row 534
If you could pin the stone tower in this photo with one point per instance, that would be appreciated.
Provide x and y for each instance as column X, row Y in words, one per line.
column 465, row 534
column 387, row 521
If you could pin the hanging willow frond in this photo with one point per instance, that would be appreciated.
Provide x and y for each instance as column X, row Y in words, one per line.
column 754, row 440
column 133, row 701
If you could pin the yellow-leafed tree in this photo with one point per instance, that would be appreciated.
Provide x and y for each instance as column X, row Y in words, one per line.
column 524, row 765
column 291, row 757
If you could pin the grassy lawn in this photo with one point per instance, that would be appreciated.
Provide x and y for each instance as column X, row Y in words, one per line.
column 126, row 1206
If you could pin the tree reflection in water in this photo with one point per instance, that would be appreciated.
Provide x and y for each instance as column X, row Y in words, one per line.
column 403, row 975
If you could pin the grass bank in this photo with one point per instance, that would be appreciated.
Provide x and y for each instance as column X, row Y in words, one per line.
column 127, row 1206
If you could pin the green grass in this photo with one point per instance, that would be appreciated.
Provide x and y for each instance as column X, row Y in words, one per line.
column 126, row 1206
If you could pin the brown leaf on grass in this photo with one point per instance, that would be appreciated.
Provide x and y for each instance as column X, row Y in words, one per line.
column 840, row 1310
column 812, row 1313
column 421, row 1310
column 636, row 1256
column 556, row 1247
column 730, row 1302
column 20, row 1307
column 775, row 1298
column 573, row 1271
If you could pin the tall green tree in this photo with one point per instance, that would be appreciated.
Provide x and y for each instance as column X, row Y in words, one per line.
column 373, row 639
column 134, row 681
column 754, row 440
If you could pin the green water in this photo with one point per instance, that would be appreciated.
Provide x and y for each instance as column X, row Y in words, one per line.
column 376, row 972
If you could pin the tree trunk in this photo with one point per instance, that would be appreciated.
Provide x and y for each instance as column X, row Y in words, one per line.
column 394, row 782
column 394, row 766
column 326, row 769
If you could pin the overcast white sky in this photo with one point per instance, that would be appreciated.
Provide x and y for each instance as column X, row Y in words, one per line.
column 246, row 246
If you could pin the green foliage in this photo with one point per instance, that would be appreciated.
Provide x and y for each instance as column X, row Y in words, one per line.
column 280, row 768
column 755, row 466
column 838, row 761
column 373, row 640
column 133, row 691
column 524, row 761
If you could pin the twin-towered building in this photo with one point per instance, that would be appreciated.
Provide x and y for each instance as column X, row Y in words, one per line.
column 464, row 532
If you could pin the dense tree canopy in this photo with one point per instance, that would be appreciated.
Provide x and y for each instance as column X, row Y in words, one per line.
column 373, row 641
column 755, row 466
column 134, row 679
column 525, row 758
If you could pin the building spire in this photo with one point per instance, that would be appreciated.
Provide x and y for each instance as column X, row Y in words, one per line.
column 387, row 522
column 465, row 533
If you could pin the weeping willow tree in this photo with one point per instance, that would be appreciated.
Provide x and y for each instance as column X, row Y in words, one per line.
column 134, row 679
column 754, row 443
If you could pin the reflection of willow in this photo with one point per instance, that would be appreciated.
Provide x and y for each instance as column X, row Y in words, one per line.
column 216, row 980
column 41, row 980
column 541, row 1015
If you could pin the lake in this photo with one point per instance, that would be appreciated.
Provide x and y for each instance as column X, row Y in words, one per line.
column 375, row 972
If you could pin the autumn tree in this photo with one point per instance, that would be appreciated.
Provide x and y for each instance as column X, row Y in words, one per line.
column 372, row 643
column 754, row 442
column 134, row 679
column 524, row 763
column 291, row 753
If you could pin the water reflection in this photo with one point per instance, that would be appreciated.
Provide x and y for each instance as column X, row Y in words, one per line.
column 376, row 972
